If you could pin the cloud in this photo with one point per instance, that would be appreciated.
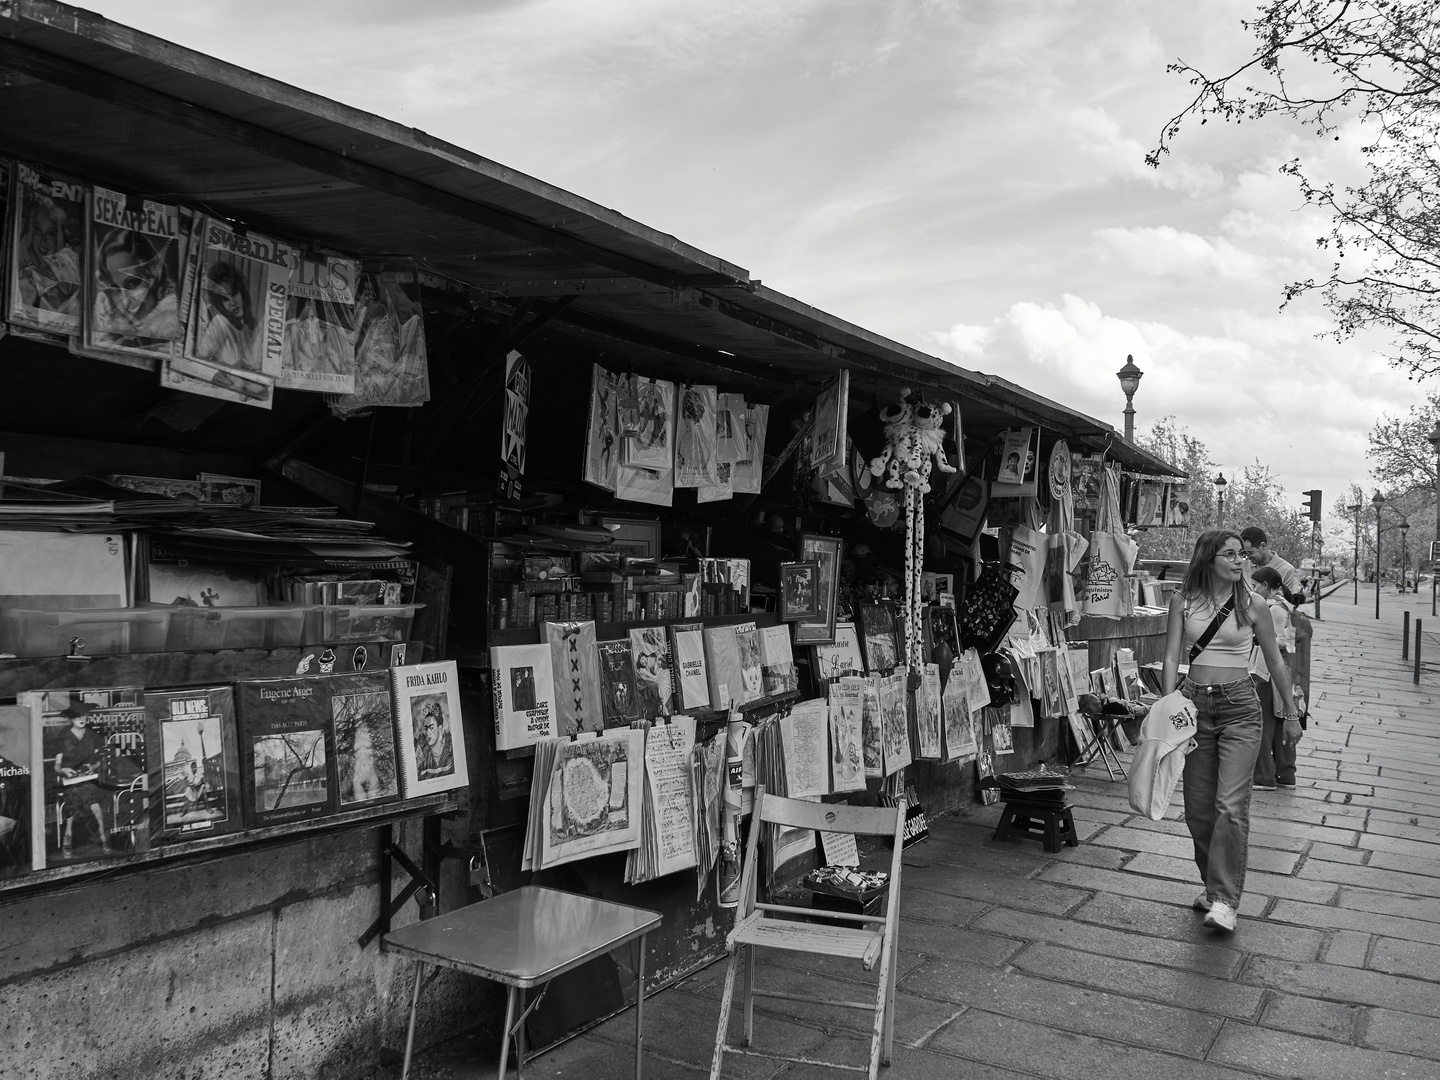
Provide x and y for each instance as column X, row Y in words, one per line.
column 963, row 344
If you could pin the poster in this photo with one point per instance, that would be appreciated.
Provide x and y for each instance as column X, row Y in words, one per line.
column 827, row 440
column 592, row 801
column 696, row 453
column 804, row 734
column 516, row 418
column 652, row 445
column 132, row 275
column 602, row 452
column 320, row 325
column 636, row 484
column 847, row 717
column 730, row 430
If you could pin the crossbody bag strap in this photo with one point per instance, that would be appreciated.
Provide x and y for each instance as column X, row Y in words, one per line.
column 1211, row 630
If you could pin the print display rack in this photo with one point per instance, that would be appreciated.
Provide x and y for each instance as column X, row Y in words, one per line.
column 175, row 669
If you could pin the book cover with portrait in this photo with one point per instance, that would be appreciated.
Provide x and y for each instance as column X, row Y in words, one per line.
column 367, row 768
column 428, row 724
column 132, row 275
column 194, row 762
column 287, row 749
column 524, row 694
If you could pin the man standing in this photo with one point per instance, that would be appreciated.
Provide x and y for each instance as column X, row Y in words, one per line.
column 1257, row 550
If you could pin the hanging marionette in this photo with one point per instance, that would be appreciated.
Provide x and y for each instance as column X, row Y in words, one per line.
column 914, row 445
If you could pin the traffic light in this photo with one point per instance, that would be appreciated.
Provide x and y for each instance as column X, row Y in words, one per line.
column 1312, row 504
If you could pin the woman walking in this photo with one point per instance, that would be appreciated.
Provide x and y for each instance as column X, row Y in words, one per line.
column 1213, row 625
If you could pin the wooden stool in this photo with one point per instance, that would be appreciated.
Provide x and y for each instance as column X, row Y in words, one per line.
column 1050, row 821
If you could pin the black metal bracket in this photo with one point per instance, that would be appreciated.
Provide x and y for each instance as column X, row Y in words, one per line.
column 390, row 905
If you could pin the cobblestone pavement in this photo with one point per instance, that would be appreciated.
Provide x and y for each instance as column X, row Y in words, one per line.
column 1090, row 963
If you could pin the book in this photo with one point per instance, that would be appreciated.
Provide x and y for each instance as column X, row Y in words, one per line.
column 524, row 694
column 722, row 659
column 429, row 726
column 367, row 769
column 654, row 679
column 777, row 660
column 618, row 696
column 575, row 664
column 194, row 772
column 132, row 275
column 752, row 669
column 44, row 269
column 692, row 676
column 287, row 749
column 22, row 803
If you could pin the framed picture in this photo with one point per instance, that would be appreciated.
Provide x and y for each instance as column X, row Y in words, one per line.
column 842, row 656
column 964, row 515
column 825, row 552
column 799, row 591
column 638, row 538
column 879, row 634
column 940, row 629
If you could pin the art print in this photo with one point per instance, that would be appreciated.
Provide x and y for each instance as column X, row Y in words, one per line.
column 592, row 801
column 804, row 735
column 894, row 723
column 618, row 695
column 575, row 666
column 367, row 770
column 799, row 591
column 842, row 657
column 825, row 552
column 696, row 454
column 880, row 635
column 633, row 483
column 652, row 443
column 602, row 454
column 433, row 734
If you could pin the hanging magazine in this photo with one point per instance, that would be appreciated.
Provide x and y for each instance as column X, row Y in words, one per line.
column 391, row 363
column 132, row 275
column 602, row 450
column 44, row 271
column 927, row 714
column 237, row 320
column 319, row 351
column 847, row 755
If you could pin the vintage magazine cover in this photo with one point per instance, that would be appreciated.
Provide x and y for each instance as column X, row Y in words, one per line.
column 602, row 450
column 927, row 714
column 197, row 767
column 692, row 675
column 319, row 351
column 367, row 769
column 524, row 694
column 847, row 718
column 959, row 723
column 391, row 363
column 654, row 682
column 237, row 318
column 132, row 275
column 209, row 380
column 618, row 696
column 287, row 749
column 872, row 725
column 894, row 722
column 747, row 650
column 592, row 801
column 696, row 453
column 44, row 273
column 575, row 662
column 429, row 727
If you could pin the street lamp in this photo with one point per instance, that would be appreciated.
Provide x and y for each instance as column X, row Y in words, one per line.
column 1220, row 483
column 1404, row 551
column 1129, row 377
column 1434, row 565
column 1355, row 565
column 1378, row 501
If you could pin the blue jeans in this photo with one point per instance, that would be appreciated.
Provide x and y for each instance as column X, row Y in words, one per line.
column 1218, row 775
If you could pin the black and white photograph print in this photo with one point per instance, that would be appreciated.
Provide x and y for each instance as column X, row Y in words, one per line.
column 290, row 770
column 522, row 687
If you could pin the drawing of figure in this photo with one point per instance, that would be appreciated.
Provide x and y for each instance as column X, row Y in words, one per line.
column 434, row 754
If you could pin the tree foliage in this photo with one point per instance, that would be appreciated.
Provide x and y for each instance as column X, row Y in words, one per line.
column 1322, row 64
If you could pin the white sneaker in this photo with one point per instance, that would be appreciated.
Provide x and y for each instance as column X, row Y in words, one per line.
column 1221, row 916
column 1201, row 902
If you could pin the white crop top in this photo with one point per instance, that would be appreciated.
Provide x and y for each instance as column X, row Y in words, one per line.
column 1230, row 647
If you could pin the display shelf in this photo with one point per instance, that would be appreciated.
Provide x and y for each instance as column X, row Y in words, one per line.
column 211, row 847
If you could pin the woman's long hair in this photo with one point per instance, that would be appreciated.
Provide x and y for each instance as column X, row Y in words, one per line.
column 1200, row 578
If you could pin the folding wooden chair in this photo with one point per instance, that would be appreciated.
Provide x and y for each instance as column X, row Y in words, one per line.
column 775, row 926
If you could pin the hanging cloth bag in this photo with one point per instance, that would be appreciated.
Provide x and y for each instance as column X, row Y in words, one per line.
column 1112, row 558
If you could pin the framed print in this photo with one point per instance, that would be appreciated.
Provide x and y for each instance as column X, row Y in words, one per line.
column 799, row 591
column 637, row 537
column 825, row 552
column 840, row 657
column 964, row 515
column 879, row 636
column 940, row 629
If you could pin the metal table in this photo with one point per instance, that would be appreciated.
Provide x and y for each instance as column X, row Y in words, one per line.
column 523, row 939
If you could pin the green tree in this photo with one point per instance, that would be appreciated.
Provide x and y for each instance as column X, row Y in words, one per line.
column 1322, row 64
column 1405, row 466
column 1166, row 439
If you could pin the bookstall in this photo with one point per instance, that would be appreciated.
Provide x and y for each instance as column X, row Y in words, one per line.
column 386, row 525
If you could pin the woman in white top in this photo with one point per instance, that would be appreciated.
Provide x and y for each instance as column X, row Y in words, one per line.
column 1220, row 770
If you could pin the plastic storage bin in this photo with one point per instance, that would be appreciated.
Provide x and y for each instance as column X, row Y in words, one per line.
column 103, row 630
column 200, row 628
column 333, row 624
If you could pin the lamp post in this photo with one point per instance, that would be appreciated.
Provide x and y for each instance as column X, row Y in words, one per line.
column 1355, row 565
column 1404, row 553
column 1378, row 501
column 1220, row 483
column 1129, row 377
column 1434, row 565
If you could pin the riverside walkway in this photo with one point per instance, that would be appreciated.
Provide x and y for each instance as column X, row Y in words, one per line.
column 1090, row 963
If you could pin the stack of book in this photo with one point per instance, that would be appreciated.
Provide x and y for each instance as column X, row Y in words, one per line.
column 1035, row 785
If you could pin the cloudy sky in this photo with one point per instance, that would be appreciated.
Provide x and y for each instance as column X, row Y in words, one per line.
column 965, row 177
